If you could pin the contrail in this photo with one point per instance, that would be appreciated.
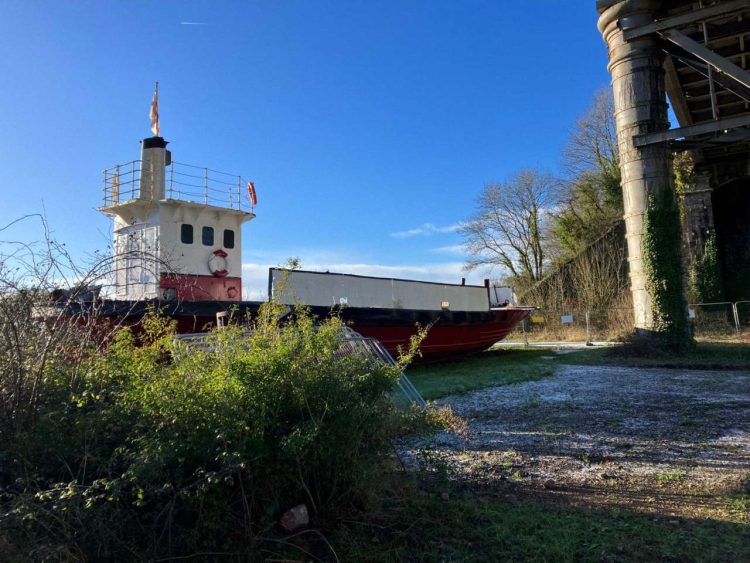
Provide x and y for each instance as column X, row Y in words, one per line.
column 193, row 23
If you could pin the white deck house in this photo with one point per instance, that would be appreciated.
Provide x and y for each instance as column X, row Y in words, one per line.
column 177, row 228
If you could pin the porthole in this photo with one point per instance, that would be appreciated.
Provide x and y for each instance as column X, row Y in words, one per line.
column 208, row 236
column 186, row 233
column 228, row 238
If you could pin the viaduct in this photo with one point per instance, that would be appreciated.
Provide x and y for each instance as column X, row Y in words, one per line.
column 694, row 55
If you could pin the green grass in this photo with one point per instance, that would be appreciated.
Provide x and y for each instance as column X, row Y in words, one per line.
column 494, row 367
column 470, row 527
column 705, row 355
column 739, row 504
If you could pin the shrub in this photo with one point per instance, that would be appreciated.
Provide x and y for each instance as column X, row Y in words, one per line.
column 161, row 450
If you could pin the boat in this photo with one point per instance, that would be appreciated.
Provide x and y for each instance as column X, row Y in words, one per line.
column 461, row 319
column 178, row 246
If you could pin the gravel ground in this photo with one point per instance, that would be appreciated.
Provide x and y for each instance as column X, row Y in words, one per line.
column 674, row 442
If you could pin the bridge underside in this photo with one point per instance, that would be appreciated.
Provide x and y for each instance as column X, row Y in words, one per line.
column 696, row 55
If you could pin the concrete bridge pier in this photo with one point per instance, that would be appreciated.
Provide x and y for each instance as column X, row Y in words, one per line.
column 640, row 107
column 699, row 216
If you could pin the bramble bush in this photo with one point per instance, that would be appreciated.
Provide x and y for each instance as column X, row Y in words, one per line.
column 162, row 449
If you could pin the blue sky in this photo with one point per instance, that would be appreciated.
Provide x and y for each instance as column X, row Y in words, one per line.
column 369, row 128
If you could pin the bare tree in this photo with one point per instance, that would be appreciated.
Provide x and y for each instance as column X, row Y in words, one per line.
column 509, row 225
column 49, row 309
column 592, row 197
column 592, row 146
column 599, row 275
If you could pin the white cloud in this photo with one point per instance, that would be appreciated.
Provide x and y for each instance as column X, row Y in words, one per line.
column 255, row 281
column 455, row 249
column 426, row 229
column 255, row 276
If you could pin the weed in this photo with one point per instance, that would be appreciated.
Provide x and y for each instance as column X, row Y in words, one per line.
column 671, row 476
column 510, row 458
column 738, row 504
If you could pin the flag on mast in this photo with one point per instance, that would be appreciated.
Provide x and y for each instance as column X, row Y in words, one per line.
column 251, row 193
column 154, row 113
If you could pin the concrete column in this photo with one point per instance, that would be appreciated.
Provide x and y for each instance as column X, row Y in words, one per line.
column 640, row 107
column 699, row 215
column 153, row 164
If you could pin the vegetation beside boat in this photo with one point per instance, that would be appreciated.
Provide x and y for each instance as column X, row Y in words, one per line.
column 139, row 451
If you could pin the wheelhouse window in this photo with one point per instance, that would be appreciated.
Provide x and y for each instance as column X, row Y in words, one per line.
column 186, row 233
column 208, row 236
column 228, row 238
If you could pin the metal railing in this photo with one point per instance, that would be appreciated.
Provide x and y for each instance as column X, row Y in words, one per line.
column 355, row 343
column 122, row 183
column 574, row 325
column 350, row 344
column 183, row 182
column 722, row 319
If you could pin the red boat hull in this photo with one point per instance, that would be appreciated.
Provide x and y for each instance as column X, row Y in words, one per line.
column 450, row 334
column 445, row 340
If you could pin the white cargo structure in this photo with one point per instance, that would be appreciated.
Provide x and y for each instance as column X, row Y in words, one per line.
column 323, row 289
column 501, row 295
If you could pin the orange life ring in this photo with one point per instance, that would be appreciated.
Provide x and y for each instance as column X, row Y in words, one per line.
column 217, row 263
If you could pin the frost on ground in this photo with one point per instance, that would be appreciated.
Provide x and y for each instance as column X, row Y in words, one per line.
column 675, row 442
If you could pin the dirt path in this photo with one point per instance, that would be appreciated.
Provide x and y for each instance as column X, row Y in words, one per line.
column 672, row 442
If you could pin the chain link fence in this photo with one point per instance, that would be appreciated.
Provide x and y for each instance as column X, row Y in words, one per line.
column 714, row 320
column 742, row 311
column 574, row 325
column 709, row 321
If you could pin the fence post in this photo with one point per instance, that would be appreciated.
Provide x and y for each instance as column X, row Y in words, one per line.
column 206, row 184
column 588, row 330
column 525, row 336
column 736, row 316
column 116, row 186
column 171, row 181
column 134, row 184
column 106, row 188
